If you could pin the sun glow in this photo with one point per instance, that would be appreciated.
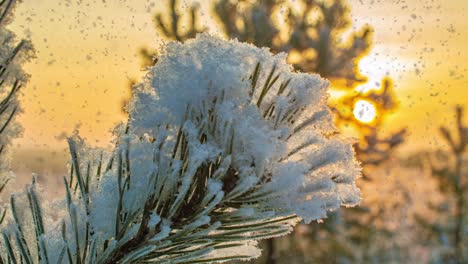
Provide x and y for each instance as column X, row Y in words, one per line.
column 364, row 111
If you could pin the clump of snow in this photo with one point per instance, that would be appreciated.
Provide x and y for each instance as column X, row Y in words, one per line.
column 305, row 172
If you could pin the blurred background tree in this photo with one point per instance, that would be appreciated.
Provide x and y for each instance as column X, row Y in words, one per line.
column 318, row 38
column 448, row 232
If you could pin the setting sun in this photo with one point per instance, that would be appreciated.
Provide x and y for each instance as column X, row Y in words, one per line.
column 364, row 111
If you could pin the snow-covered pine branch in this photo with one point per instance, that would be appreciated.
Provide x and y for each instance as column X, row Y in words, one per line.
column 12, row 54
column 225, row 146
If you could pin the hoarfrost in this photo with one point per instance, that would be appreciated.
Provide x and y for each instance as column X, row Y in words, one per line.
column 225, row 145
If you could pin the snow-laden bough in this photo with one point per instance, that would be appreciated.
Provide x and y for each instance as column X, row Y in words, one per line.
column 225, row 145
column 13, row 53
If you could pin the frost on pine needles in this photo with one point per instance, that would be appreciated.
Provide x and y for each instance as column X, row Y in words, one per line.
column 13, row 54
column 225, row 145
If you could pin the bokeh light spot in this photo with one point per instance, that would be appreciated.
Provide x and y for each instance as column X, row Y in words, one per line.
column 364, row 111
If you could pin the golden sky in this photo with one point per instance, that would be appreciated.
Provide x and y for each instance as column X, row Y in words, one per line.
column 88, row 50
